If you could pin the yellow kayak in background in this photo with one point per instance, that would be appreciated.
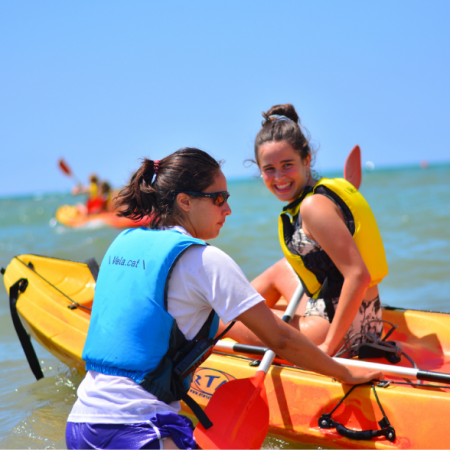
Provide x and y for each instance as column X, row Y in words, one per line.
column 72, row 216
column 53, row 298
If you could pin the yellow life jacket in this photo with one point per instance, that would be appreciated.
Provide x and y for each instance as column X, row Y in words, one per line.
column 93, row 190
column 319, row 275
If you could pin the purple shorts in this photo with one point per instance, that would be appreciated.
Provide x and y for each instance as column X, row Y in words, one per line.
column 132, row 435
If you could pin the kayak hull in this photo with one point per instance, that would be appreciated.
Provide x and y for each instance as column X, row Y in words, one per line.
column 72, row 216
column 54, row 308
column 297, row 399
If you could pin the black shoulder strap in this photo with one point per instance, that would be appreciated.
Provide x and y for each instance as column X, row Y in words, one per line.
column 224, row 332
column 204, row 330
column 304, row 193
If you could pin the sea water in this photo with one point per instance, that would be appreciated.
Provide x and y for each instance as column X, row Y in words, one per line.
column 412, row 208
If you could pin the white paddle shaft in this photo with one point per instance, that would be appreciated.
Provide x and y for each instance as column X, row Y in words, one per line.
column 269, row 355
column 405, row 372
column 385, row 368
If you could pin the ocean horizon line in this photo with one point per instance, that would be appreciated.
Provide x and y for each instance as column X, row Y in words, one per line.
column 325, row 173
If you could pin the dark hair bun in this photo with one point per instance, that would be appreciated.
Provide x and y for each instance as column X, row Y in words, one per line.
column 283, row 130
column 287, row 110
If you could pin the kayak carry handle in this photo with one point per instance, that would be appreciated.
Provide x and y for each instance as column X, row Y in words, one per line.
column 363, row 435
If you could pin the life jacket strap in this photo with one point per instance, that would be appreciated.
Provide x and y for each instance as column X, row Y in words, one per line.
column 197, row 410
column 224, row 332
column 198, row 350
column 295, row 203
column 327, row 300
column 199, row 353
column 329, row 308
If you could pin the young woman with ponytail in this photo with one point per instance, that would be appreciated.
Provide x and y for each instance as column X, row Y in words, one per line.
column 330, row 240
column 159, row 293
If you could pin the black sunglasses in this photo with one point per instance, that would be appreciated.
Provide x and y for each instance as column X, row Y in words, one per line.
column 219, row 197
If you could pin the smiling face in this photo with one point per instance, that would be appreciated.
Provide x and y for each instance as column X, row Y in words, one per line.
column 200, row 216
column 284, row 172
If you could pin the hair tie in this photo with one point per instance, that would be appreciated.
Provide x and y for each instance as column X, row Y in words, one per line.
column 156, row 166
column 278, row 118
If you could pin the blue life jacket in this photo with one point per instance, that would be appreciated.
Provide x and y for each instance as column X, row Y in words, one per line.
column 131, row 334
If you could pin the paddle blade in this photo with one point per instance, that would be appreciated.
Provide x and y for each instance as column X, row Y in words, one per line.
column 64, row 167
column 352, row 167
column 240, row 414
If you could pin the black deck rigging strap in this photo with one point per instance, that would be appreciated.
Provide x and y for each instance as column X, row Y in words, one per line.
column 73, row 304
column 386, row 430
column 368, row 345
column 18, row 287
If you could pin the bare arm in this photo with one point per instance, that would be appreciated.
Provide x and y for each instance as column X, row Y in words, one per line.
column 323, row 222
column 296, row 348
column 79, row 190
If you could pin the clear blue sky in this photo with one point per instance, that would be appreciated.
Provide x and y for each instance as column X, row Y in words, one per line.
column 103, row 83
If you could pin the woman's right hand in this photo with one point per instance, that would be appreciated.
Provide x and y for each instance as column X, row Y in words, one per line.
column 358, row 375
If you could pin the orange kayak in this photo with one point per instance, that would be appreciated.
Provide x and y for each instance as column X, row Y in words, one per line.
column 72, row 216
column 53, row 299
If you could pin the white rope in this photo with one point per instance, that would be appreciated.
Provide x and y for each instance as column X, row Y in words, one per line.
column 155, row 428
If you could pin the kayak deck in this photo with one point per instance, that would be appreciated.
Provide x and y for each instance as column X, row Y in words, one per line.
column 297, row 399
column 55, row 310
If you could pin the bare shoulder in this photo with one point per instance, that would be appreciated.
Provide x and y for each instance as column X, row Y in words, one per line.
column 317, row 205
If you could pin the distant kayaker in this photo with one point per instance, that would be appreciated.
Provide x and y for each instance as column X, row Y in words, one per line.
column 330, row 240
column 91, row 190
column 159, row 294
column 106, row 196
column 94, row 200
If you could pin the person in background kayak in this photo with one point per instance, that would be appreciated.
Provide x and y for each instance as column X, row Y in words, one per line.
column 106, row 195
column 159, row 293
column 91, row 190
column 94, row 201
column 330, row 240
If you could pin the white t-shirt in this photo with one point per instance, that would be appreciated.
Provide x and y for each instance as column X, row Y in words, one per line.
column 203, row 278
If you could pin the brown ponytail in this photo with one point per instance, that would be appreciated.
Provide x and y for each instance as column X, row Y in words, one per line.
column 148, row 194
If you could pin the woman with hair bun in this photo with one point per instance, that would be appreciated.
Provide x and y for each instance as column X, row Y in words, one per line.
column 330, row 240
column 158, row 299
